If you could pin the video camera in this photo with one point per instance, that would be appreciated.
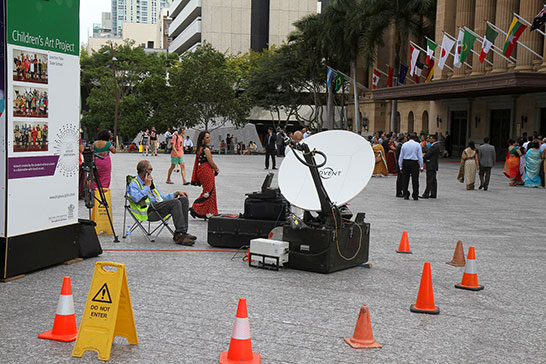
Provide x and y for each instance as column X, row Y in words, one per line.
column 89, row 158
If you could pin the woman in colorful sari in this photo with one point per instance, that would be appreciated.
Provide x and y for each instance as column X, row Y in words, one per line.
column 469, row 165
column 511, row 166
column 380, row 162
column 204, row 172
column 391, row 156
column 103, row 146
column 533, row 160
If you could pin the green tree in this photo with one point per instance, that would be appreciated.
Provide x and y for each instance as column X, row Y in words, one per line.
column 204, row 92
column 140, row 82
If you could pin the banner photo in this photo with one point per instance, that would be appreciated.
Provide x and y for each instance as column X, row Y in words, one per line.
column 43, row 98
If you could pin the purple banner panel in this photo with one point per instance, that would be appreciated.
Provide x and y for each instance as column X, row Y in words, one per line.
column 27, row 167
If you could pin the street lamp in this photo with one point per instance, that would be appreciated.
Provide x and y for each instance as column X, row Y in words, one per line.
column 116, row 109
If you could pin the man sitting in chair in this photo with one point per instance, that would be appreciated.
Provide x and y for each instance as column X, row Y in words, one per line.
column 175, row 204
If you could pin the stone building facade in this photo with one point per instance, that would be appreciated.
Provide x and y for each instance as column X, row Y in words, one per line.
column 499, row 100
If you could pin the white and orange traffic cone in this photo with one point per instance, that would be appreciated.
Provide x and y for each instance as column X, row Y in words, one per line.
column 240, row 347
column 470, row 275
column 64, row 327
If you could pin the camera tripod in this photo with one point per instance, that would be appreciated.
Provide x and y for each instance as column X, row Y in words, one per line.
column 91, row 174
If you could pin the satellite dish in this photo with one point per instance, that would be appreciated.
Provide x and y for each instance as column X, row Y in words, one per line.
column 348, row 169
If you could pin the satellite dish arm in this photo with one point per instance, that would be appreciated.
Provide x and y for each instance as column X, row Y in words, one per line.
column 326, row 205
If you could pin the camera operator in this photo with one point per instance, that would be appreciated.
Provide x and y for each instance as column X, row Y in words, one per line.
column 102, row 148
column 151, row 202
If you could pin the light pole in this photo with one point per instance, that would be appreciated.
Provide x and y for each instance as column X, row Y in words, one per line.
column 116, row 109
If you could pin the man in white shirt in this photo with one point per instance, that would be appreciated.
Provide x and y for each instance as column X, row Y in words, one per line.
column 188, row 145
column 410, row 163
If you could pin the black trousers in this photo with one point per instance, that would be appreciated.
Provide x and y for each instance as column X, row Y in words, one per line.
column 410, row 167
column 399, row 183
column 485, row 175
column 177, row 208
column 268, row 153
column 432, row 184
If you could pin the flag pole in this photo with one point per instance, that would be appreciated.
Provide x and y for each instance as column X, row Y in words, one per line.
column 529, row 24
column 350, row 79
column 434, row 57
column 383, row 73
column 479, row 38
column 492, row 47
column 518, row 42
column 455, row 39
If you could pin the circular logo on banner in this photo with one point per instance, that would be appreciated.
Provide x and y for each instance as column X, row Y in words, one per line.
column 66, row 146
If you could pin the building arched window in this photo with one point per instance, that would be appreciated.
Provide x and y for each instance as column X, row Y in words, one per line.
column 410, row 122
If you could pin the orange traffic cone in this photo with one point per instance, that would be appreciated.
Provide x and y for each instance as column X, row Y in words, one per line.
column 425, row 297
column 470, row 275
column 404, row 244
column 240, row 347
column 363, row 335
column 458, row 256
column 64, row 327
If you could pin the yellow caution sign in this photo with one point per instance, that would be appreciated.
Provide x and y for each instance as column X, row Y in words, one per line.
column 99, row 214
column 108, row 312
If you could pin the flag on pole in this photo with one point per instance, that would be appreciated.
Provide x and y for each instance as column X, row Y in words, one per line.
column 468, row 43
column 488, row 39
column 330, row 75
column 539, row 19
column 403, row 73
column 447, row 44
column 391, row 76
column 339, row 81
column 375, row 78
column 457, row 58
column 516, row 28
column 431, row 47
column 430, row 73
column 414, row 54
column 418, row 70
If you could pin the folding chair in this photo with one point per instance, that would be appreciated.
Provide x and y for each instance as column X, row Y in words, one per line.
column 132, row 208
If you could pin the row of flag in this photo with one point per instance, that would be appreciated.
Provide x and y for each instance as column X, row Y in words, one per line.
column 465, row 41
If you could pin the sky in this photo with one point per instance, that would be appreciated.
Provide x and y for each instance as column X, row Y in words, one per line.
column 90, row 12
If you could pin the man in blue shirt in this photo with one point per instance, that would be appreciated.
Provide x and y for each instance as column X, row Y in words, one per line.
column 410, row 163
column 143, row 191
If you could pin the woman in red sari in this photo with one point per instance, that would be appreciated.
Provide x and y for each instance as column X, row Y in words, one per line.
column 204, row 171
column 391, row 156
column 511, row 166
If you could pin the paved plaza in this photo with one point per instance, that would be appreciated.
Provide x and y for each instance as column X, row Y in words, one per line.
column 184, row 302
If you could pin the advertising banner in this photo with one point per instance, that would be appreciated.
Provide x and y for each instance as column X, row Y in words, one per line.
column 42, row 115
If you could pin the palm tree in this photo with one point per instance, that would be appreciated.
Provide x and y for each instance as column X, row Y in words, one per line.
column 407, row 17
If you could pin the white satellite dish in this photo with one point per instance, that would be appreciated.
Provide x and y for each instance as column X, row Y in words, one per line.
column 348, row 169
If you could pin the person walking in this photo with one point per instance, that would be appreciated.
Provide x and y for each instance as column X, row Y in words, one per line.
column 270, row 145
column 153, row 141
column 469, row 166
column 486, row 156
column 410, row 163
column 145, row 141
column 204, row 173
column 431, row 161
column 177, row 156
column 168, row 137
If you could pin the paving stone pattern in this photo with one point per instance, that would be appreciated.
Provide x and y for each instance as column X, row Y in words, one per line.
column 185, row 302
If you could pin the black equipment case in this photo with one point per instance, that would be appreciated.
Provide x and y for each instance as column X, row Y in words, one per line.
column 232, row 231
column 268, row 204
column 316, row 249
